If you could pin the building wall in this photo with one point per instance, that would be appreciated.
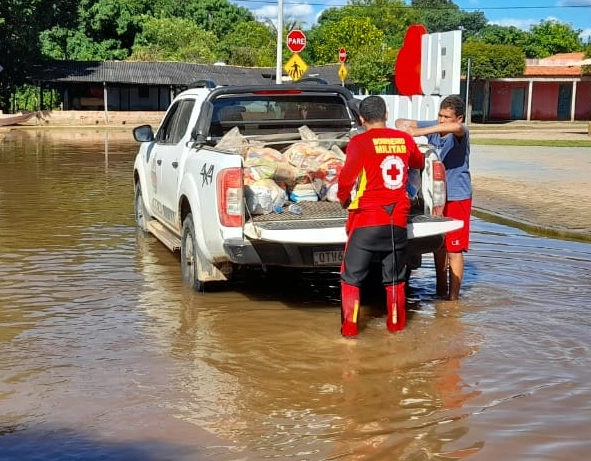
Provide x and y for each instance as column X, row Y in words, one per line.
column 502, row 100
column 508, row 100
column 583, row 101
column 544, row 101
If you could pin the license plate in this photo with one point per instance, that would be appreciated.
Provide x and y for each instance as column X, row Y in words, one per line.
column 328, row 258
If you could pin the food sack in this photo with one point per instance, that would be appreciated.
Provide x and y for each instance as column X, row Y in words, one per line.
column 303, row 193
column 233, row 141
column 285, row 174
column 267, row 163
column 331, row 193
column 263, row 196
column 303, row 156
column 308, row 135
column 254, row 153
column 259, row 169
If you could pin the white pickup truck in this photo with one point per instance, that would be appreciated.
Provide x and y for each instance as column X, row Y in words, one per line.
column 190, row 187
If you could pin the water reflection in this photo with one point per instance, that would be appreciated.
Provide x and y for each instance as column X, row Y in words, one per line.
column 106, row 355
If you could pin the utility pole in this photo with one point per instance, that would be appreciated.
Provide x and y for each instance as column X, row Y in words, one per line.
column 468, row 105
column 279, row 67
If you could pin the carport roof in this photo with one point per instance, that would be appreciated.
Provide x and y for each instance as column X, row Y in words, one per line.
column 163, row 73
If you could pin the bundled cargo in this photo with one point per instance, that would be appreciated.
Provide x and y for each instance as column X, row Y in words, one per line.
column 305, row 171
column 265, row 162
column 263, row 196
column 320, row 166
column 303, row 193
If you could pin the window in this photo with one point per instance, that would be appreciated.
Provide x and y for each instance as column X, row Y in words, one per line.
column 176, row 122
column 274, row 113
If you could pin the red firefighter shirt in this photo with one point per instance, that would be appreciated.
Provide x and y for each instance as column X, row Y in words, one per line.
column 377, row 167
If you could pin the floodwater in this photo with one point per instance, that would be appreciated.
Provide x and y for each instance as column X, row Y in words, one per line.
column 105, row 355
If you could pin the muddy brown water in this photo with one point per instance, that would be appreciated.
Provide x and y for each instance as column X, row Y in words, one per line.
column 105, row 355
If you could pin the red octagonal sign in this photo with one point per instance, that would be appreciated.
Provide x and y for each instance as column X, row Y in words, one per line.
column 296, row 41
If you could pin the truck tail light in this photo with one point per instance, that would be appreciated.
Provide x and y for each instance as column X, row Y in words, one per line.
column 230, row 197
column 439, row 188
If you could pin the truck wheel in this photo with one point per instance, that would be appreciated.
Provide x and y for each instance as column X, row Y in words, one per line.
column 190, row 255
column 141, row 218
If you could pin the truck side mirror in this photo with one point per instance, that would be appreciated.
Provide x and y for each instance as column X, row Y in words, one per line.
column 143, row 133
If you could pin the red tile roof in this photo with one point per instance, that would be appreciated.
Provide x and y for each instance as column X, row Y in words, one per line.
column 558, row 65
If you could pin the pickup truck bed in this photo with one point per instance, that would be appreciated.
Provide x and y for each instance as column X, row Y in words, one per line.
column 320, row 215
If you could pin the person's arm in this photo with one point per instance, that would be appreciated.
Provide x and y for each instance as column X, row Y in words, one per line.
column 416, row 158
column 455, row 128
column 404, row 123
column 349, row 174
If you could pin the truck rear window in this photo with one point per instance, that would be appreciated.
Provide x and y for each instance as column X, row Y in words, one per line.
column 273, row 113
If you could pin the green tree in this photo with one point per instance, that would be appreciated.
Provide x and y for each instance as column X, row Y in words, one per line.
column 354, row 34
column 493, row 61
column 173, row 39
column 63, row 13
column 116, row 20
column 494, row 34
column 391, row 16
column 587, row 50
column 552, row 37
column 445, row 15
column 61, row 43
column 332, row 14
column 101, row 30
column 27, row 97
column 217, row 16
column 250, row 44
column 20, row 23
column 375, row 71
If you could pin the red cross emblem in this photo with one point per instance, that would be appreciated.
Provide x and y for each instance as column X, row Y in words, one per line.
column 392, row 172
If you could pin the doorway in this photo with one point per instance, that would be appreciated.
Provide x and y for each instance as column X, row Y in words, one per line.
column 565, row 92
column 517, row 103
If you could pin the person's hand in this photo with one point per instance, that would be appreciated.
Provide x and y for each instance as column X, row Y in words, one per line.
column 346, row 203
column 409, row 129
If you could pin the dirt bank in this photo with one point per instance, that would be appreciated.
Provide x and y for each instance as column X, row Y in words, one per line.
column 578, row 130
column 544, row 188
column 87, row 118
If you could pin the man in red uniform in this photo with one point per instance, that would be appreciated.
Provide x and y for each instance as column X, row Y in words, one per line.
column 377, row 166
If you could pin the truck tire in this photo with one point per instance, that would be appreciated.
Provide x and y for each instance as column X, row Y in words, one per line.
column 141, row 218
column 190, row 258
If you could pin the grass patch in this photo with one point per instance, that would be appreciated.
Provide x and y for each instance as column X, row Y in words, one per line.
column 530, row 142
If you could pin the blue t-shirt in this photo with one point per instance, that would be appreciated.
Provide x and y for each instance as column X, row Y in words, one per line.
column 455, row 155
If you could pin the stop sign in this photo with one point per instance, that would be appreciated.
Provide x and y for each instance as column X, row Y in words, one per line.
column 296, row 41
column 342, row 55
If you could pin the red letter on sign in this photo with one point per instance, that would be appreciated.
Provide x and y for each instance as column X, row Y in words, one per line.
column 407, row 71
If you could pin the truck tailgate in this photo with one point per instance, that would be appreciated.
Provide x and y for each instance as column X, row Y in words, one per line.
column 324, row 223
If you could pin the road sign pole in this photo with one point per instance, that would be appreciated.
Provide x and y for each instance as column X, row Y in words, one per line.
column 279, row 62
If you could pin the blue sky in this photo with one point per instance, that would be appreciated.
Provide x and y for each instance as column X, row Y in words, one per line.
column 519, row 13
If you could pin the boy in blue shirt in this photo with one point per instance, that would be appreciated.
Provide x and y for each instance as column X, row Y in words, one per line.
column 451, row 139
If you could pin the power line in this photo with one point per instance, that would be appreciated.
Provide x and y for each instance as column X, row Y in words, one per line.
column 491, row 8
column 509, row 8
